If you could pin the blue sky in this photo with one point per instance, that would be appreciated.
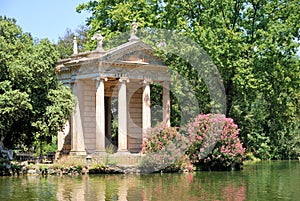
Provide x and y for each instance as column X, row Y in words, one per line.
column 44, row 18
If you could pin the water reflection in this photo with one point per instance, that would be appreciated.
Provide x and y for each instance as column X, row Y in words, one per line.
column 151, row 187
column 265, row 181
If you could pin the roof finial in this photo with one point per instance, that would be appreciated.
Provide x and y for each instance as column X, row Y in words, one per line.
column 97, row 36
column 133, row 31
column 75, row 46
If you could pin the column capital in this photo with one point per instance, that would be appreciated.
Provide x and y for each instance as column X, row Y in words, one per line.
column 73, row 81
column 166, row 82
column 124, row 79
column 74, row 85
column 99, row 78
column 146, row 82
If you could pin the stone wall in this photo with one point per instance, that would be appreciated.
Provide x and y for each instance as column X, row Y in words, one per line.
column 88, row 113
column 134, row 91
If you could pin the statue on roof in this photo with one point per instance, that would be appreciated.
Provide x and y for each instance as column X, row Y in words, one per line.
column 97, row 36
column 75, row 46
column 134, row 27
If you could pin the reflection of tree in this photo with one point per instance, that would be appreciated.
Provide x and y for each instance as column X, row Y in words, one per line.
column 279, row 178
column 111, row 187
column 194, row 186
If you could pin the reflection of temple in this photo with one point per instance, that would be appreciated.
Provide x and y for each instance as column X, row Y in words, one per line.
column 100, row 187
column 121, row 76
column 189, row 186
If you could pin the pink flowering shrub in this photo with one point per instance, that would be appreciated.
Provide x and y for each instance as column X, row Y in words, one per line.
column 209, row 142
column 164, row 151
column 157, row 138
column 215, row 143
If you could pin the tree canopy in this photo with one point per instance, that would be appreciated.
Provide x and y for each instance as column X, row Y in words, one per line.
column 64, row 45
column 252, row 42
column 33, row 105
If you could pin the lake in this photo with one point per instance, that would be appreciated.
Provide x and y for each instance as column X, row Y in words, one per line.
column 274, row 180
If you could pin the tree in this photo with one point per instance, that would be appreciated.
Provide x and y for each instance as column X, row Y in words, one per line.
column 33, row 105
column 65, row 44
column 252, row 42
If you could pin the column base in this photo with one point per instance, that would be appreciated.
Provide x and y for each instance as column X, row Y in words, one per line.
column 57, row 155
column 99, row 152
column 122, row 151
column 77, row 153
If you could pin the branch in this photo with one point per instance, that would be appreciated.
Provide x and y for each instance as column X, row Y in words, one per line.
column 253, row 19
column 237, row 8
column 224, row 18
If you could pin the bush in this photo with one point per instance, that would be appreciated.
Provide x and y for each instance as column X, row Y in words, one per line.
column 210, row 142
column 215, row 143
column 161, row 147
column 157, row 138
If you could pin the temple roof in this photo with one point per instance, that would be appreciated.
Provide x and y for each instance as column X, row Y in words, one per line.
column 133, row 59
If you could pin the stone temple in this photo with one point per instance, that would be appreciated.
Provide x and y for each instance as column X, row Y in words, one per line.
column 101, row 78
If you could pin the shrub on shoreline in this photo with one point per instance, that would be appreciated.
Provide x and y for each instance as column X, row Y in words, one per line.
column 216, row 144
column 210, row 142
column 160, row 150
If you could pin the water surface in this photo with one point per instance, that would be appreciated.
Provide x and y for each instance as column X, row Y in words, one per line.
column 276, row 180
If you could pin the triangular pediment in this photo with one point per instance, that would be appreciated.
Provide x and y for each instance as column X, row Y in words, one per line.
column 135, row 52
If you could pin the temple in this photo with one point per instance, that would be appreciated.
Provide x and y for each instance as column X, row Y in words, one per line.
column 106, row 82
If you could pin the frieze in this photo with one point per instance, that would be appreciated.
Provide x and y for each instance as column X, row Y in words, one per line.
column 88, row 69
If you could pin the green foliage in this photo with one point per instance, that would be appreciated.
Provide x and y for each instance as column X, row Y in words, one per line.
column 33, row 105
column 252, row 43
column 97, row 168
column 156, row 103
column 49, row 146
column 65, row 44
column 107, row 159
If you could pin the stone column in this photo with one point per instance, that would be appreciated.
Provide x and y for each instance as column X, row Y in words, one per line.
column 77, row 140
column 60, row 140
column 122, row 115
column 146, row 103
column 100, row 114
column 73, row 121
column 166, row 104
